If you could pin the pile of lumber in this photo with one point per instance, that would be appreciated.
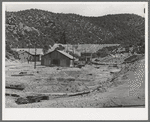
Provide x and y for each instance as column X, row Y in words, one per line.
column 17, row 87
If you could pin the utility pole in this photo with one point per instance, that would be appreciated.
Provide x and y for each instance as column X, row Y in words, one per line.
column 85, row 56
column 73, row 55
column 35, row 58
column 28, row 51
column 35, row 52
column 30, row 56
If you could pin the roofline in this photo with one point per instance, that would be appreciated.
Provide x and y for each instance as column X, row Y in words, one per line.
column 28, row 53
column 59, row 52
column 65, row 55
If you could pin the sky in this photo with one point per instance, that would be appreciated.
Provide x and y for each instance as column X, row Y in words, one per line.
column 81, row 8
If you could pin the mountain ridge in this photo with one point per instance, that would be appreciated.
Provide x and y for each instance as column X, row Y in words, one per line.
column 34, row 27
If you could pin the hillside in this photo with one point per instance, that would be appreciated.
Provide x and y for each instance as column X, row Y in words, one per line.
column 41, row 28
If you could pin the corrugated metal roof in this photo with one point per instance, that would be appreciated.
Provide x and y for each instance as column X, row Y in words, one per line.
column 22, row 51
column 66, row 54
column 89, row 48
column 31, row 50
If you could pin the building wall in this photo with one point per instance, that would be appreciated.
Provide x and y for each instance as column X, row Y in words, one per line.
column 42, row 60
column 25, row 56
column 55, row 58
column 86, row 57
column 37, row 58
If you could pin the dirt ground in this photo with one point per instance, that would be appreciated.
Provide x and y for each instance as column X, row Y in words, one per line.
column 128, row 90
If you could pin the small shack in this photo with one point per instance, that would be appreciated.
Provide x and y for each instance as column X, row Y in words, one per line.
column 86, row 57
column 25, row 56
column 57, row 58
column 38, row 57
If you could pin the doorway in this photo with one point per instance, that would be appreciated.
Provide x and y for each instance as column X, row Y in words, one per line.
column 56, row 62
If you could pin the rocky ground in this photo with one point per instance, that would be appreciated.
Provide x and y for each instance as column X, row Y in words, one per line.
column 126, row 90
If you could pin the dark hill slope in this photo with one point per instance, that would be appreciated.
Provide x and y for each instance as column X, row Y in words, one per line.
column 44, row 28
column 124, row 27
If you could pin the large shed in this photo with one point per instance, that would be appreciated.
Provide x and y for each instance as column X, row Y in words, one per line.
column 57, row 58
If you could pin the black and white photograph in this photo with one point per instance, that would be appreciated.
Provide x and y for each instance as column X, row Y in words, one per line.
column 82, row 56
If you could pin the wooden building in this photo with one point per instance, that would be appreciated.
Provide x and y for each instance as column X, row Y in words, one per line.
column 57, row 58
column 25, row 53
column 38, row 57
column 25, row 56
column 86, row 57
